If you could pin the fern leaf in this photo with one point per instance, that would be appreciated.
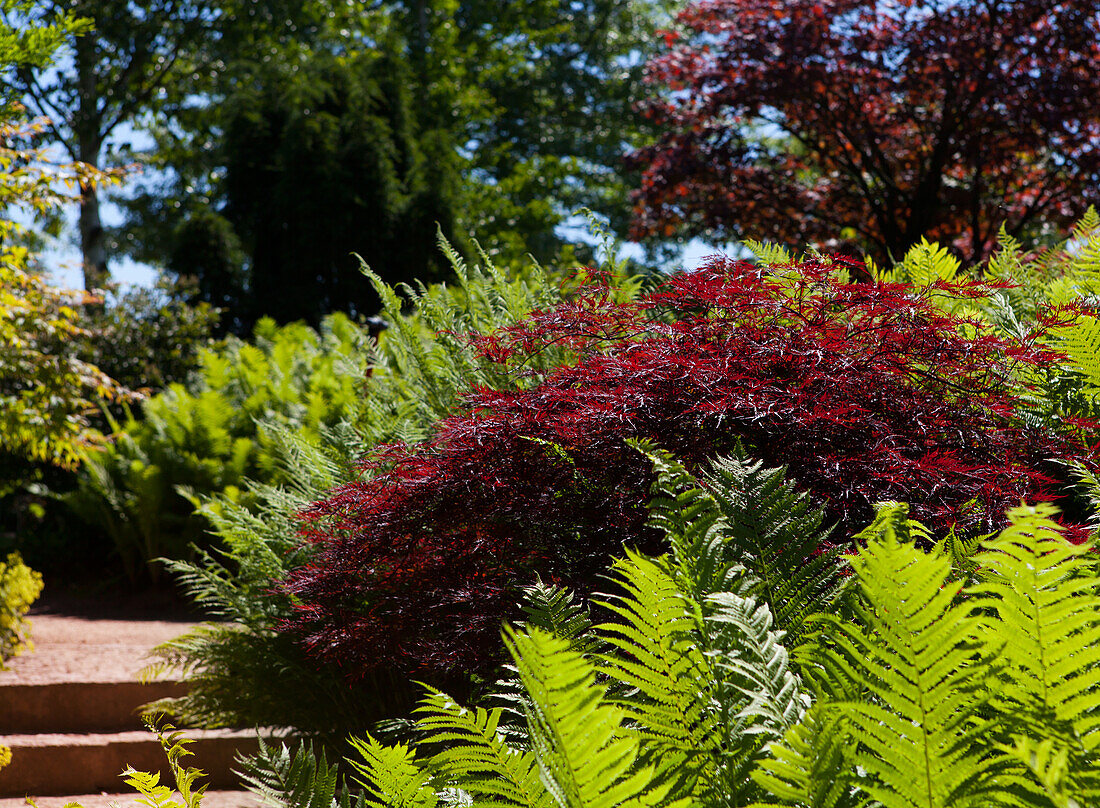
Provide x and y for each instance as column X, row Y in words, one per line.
column 925, row 264
column 768, row 254
column 810, row 767
column 301, row 780
column 760, row 665
column 556, row 611
column 667, row 675
column 1049, row 761
column 1081, row 343
column 697, row 530
column 475, row 757
column 391, row 776
column 778, row 537
column 585, row 759
column 918, row 656
column 1042, row 589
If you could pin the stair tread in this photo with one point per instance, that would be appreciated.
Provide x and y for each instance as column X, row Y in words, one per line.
column 40, row 739
column 211, row 799
column 71, row 648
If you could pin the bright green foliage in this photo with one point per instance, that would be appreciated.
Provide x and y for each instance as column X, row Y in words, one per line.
column 20, row 586
column 941, row 694
column 1067, row 274
column 809, row 767
column 1043, row 591
column 154, row 793
column 585, row 759
column 740, row 514
column 304, row 780
column 669, row 703
column 924, row 264
column 391, row 776
column 207, row 437
column 474, row 749
column 915, row 652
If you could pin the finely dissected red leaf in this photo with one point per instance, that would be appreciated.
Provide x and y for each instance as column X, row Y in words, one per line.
column 867, row 392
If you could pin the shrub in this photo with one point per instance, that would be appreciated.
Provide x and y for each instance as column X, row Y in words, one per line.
column 149, row 338
column 19, row 588
column 206, row 437
column 864, row 391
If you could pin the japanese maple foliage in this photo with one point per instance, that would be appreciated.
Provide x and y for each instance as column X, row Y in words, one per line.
column 867, row 124
column 867, row 392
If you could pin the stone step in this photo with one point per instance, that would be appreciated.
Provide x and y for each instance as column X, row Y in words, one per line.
column 120, row 799
column 45, row 764
column 66, row 707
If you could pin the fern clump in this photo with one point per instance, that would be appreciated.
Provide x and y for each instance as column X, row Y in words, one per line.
column 945, row 694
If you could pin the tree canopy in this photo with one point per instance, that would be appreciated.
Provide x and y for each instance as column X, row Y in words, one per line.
column 483, row 116
column 867, row 125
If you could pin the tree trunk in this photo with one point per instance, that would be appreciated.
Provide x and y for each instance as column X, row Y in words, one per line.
column 89, row 142
column 93, row 244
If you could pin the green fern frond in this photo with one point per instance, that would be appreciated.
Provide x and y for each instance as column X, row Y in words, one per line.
column 760, row 667
column 1081, row 343
column 391, row 776
column 667, row 676
column 768, row 254
column 585, row 759
column 924, row 264
column 154, row 794
column 1049, row 761
column 918, row 655
column 778, row 536
column 810, row 767
column 1043, row 590
column 302, row 780
column 475, row 757
column 555, row 610
column 694, row 524
column 740, row 515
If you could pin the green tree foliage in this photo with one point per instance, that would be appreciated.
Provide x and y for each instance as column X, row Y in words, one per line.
column 114, row 68
column 46, row 388
column 324, row 159
column 496, row 118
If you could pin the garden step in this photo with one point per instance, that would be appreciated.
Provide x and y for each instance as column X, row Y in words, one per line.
column 124, row 799
column 85, row 763
column 79, row 706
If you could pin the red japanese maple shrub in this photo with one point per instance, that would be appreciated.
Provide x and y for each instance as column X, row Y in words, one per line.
column 866, row 392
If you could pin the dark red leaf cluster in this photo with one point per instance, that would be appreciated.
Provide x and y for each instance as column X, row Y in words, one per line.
column 867, row 392
column 869, row 124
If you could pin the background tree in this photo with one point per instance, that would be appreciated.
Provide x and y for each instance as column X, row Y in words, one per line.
column 323, row 160
column 106, row 76
column 867, row 125
column 518, row 120
column 134, row 57
column 46, row 389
